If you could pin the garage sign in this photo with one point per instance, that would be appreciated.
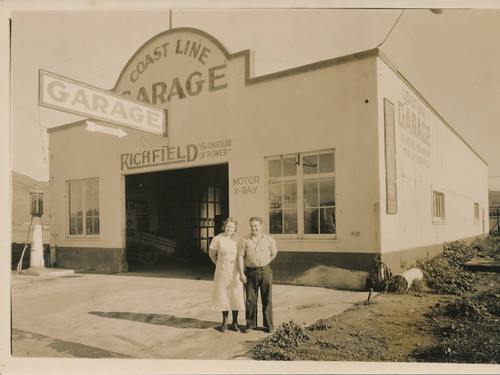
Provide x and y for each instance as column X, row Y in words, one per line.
column 177, row 65
column 71, row 96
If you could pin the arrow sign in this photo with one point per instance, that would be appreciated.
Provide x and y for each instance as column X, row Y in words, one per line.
column 93, row 127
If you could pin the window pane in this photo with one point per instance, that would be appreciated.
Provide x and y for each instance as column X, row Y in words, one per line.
column 311, row 194
column 211, row 194
column 218, row 194
column 88, row 199
column 275, row 222
column 96, row 225
column 327, row 193
column 79, row 226
column 211, row 232
column 72, row 226
column 327, row 220
column 94, row 189
column 203, row 210
column 311, row 221
column 88, row 226
column 290, row 195
column 290, row 219
column 218, row 209
column 204, row 233
column 275, row 168
column 310, row 164
column 326, row 163
column 275, row 200
column 204, row 246
column 289, row 167
column 75, row 200
column 211, row 210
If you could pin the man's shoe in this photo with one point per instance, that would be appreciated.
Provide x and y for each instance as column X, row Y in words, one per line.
column 248, row 328
column 269, row 329
column 236, row 327
column 223, row 328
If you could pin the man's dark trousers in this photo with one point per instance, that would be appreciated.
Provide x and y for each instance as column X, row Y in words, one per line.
column 259, row 278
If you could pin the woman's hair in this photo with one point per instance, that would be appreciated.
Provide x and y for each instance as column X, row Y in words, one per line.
column 230, row 220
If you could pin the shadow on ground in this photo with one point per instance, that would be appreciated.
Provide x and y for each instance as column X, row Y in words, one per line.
column 159, row 319
column 71, row 349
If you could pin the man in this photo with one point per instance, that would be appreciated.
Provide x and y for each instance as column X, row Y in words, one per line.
column 255, row 253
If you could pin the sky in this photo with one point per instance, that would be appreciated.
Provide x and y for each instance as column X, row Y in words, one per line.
column 451, row 58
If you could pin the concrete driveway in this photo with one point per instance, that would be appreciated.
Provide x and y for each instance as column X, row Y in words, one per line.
column 125, row 316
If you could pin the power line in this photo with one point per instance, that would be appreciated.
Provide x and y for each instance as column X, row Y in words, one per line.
column 392, row 28
column 40, row 126
column 34, row 119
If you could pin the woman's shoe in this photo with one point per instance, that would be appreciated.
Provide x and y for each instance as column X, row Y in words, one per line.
column 236, row 327
column 223, row 328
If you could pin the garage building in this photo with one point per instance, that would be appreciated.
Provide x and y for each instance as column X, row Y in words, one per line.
column 343, row 159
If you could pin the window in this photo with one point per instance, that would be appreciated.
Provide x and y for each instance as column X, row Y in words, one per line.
column 438, row 212
column 283, row 196
column 83, row 207
column 476, row 211
column 302, row 195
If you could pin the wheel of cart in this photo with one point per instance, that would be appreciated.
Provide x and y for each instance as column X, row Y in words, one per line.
column 148, row 255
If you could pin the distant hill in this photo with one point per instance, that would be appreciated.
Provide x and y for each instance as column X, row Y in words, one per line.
column 494, row 197
column 21, row 215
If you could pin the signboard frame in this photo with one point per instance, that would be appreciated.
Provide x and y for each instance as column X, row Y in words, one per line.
column 42, row 101
column 391, row 185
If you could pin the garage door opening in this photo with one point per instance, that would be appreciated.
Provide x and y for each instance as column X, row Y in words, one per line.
column 173, row 215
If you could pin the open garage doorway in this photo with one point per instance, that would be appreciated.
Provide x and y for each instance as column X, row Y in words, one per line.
column 172, row 216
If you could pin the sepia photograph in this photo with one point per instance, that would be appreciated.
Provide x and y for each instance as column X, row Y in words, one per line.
column 220, row 188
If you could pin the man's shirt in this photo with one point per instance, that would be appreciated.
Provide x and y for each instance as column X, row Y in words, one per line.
column 257, row 251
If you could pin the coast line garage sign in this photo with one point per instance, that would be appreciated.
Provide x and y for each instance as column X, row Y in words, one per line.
column 71, row 96
column 175, row 65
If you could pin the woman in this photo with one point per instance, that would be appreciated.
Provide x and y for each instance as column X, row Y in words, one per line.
column 228, row 288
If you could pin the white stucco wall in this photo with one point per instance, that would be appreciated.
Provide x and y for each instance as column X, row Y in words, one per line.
column 328, row 106
column 442, row 162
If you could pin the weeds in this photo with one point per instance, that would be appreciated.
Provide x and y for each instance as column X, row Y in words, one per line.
column 320, row 325
column 443, row 273
column 280, row 345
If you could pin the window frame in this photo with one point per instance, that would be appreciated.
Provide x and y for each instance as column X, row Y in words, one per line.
column 84, row 234
column 281, row 180
column 476, row 212
column 300, row 178
column 438, row 217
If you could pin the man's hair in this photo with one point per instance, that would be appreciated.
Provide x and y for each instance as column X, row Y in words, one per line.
column 255, row 218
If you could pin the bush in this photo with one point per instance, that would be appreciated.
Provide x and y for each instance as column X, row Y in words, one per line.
column 320, row 325
column 443, row 273
column 467, row 308
column 465, row 344
column 280, row 345
column 397, row 285
column 488, row 246
column 458, row 252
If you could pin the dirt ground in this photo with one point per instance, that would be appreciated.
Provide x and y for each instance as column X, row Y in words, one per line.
column 409, row 327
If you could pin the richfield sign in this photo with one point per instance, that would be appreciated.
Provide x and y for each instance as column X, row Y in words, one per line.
column 71, row 96
column 176, row 65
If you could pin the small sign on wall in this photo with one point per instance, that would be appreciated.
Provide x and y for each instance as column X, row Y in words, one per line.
column 390, row 158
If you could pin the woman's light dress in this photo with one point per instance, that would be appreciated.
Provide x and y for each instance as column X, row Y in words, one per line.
column 227, row 287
